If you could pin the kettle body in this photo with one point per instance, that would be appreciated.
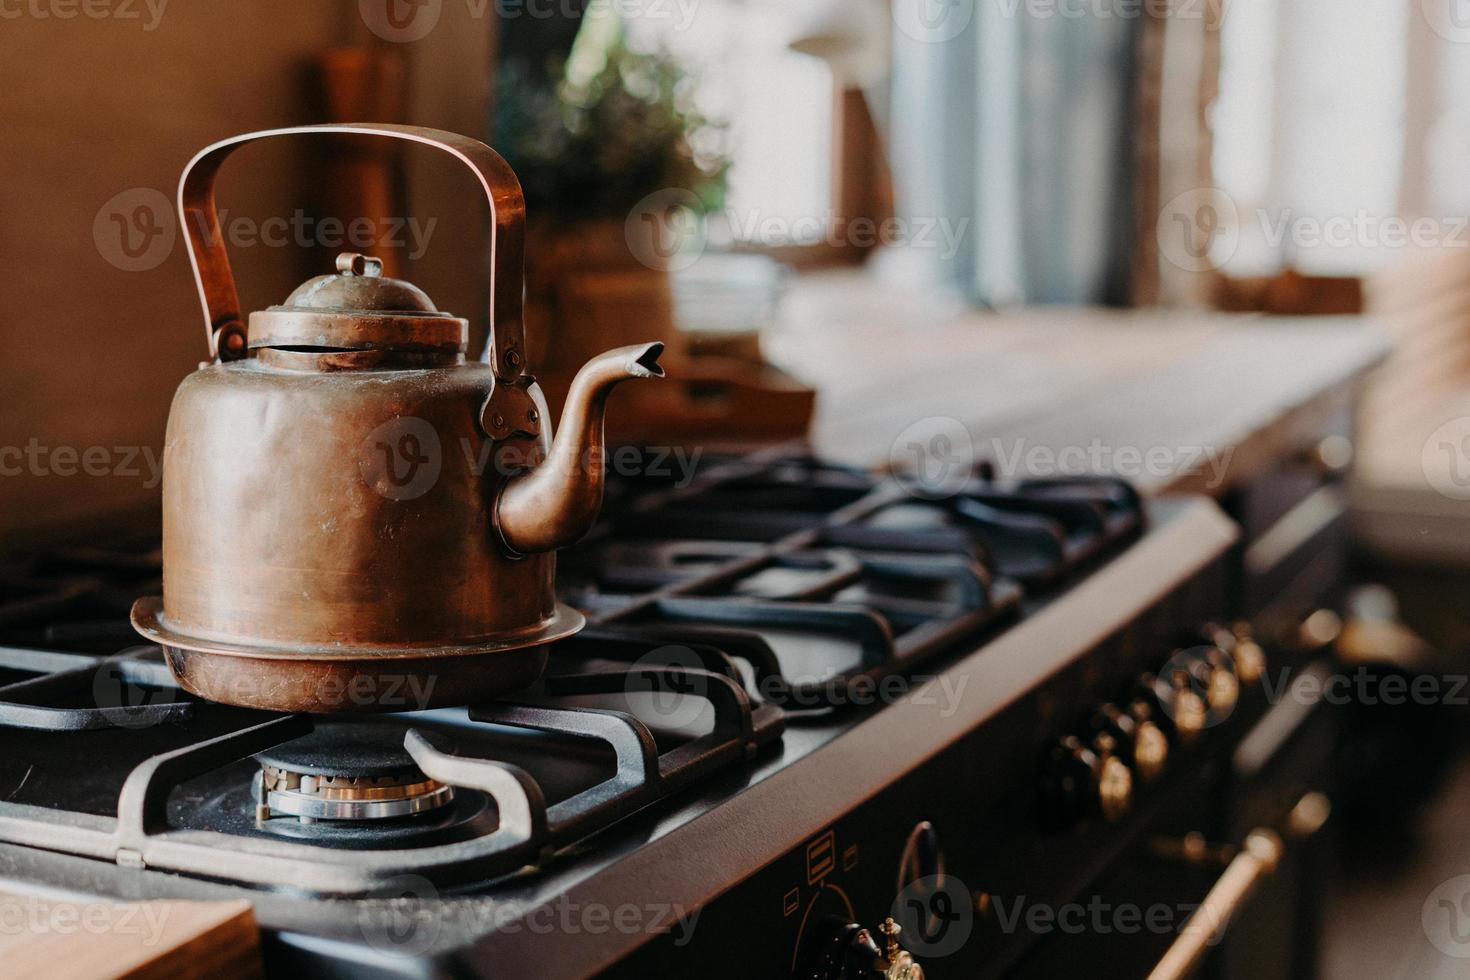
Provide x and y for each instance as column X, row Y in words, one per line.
column 358, row 517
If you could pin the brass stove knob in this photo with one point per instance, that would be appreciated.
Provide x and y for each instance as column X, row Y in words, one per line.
column 841, row 950
column 1250, row 661
column 1150, row 750
column 1247, row 658
column 1250, row 657
column 1143, row 744
column 1084, row 779
column 1197, row 688
column 1114, row 788
column 1173, row 704
column 1223, row 690
column 895, row 963
column 1190, row 713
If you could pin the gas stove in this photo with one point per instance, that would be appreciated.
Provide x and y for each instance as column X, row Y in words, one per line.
column 806, row 694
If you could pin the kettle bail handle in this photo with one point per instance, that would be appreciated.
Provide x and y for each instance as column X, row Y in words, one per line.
column 225, row 325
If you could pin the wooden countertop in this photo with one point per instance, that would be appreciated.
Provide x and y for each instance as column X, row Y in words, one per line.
column 72, row 939
column 1175, row 400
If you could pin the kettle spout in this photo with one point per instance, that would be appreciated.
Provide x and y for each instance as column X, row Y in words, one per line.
column 555, row 504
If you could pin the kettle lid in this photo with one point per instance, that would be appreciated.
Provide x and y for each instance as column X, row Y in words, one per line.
column 358, row 308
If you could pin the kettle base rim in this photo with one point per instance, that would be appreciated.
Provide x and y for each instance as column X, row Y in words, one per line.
column 352, row 679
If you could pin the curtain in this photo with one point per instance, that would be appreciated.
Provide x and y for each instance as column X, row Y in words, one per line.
column 1023, row 125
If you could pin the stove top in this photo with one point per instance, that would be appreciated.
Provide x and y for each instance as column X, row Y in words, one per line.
column 737, row 624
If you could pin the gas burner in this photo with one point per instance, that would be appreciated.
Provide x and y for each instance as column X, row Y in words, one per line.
column 344, row 771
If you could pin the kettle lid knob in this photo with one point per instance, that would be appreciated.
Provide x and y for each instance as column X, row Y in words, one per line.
column 357, row 264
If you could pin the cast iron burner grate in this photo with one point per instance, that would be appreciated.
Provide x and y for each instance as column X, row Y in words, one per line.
column 183, row 806
column 830, row 580
column 763, row 593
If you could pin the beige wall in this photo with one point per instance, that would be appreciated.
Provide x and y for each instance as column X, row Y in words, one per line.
column 89, row 353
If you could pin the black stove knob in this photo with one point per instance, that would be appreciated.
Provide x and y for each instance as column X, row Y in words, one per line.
column 840, row 950
column 847, row 951
column 1069, row 775
column 1080, row 780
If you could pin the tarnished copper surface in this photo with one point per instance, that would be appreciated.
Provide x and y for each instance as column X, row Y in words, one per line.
column 331, row 486
column 525, row 522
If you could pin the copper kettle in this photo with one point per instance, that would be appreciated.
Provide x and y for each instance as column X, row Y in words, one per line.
column 355, row 516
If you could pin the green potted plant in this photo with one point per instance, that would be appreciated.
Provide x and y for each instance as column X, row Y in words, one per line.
column 604, row 144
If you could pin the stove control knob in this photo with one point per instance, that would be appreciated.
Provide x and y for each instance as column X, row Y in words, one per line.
column 841, row 951
column 1155, row 733
column 896, row 963
column 1238, row 642
column 1175, row 705
column 1142, row 743
column 1250, row 658
column 1080, row 780
column 1232, row 659
column 1069, row 779
column 847, row 951
column 1224, row 689
column 1114, row 781
column 1209, row 671
column 1190, row 714
column 1150, row 750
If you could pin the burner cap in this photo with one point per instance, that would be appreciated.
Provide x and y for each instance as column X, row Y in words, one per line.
column 351, row 749
column 345, row 771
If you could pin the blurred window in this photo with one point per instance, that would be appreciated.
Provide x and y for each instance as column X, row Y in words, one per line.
column 779, row 107
column 1309, row 132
